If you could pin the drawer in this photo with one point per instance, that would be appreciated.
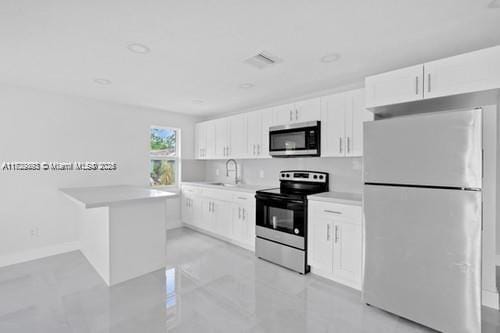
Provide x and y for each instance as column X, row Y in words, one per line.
column 217, row 194
column 243, row 198
column 334, row 210
column 190, row 189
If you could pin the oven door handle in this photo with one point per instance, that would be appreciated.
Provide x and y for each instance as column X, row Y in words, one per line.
column 281, row 203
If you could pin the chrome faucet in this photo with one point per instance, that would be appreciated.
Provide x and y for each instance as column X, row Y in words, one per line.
column 235, row 170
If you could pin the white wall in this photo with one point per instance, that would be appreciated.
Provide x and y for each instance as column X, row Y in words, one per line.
column 345, row 173
column 40, row 126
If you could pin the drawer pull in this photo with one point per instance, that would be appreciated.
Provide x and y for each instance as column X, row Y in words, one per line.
column 242, row 198
column 332, row 212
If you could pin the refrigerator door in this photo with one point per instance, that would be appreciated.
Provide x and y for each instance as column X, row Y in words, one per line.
column 431, row 149
column 423, row 255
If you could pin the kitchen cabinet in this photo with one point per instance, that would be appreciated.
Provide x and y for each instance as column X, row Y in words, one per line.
column 302, row 111
column 335, row 241
column 222, row 213
column 342, row 118
column 398, row 86
column 465, row 73
column 258, row 123
column 221, row 138
column 205, row 139
column 333, row 114
column 244, row 220
column 238, row 138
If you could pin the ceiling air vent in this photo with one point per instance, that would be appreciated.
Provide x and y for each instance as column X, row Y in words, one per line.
column 263, row 60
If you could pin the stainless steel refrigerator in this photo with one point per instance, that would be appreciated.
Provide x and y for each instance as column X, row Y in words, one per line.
column 423, row 218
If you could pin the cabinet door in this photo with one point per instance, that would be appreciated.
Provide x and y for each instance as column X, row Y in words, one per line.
column 402, row 85
column 333, row 110
column 221, row 138
column 347, row 251
column 204, row 216
column 355, row 117
column 201, row 139
column 238, row 144
column 465, row 73
column 284, row 114
column 267, row 121
column 254, row 132
column 186, row 209
column 308, row 110
column 222, row 218
column 320, row 243
column 209, row 128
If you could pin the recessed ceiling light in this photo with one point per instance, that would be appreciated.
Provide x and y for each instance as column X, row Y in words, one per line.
column 331, row 57
column 247, row 85
column 494, row 4
column 138, row 48
column 104, row 82
column 197, row 101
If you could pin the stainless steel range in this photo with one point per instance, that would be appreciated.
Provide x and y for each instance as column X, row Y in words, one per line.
column 282, row 218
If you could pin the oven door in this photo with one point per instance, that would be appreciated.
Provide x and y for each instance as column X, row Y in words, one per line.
column 295, row 140
column 281, row 220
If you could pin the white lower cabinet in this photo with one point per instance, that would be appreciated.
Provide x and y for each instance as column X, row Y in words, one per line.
column 335, row 242
column 227, row 214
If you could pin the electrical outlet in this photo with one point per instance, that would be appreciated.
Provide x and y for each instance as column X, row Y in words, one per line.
column 34, row 232
column 261, row 173
column 217, row 172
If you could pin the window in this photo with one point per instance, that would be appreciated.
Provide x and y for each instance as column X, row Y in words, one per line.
column 164, row 156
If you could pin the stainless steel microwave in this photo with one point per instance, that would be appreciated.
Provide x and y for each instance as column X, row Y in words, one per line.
column 294, row 140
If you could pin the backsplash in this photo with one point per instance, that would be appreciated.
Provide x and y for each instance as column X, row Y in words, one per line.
column 345, row 173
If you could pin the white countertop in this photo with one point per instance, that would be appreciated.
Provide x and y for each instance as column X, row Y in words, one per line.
column 338, row 197
column 239, row 188
column 102, row 196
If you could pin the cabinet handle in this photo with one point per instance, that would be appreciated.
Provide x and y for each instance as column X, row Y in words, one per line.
column 416, row 85
column 254, row 149
column 328, row 232
column 290, row 115
column 239, row 212
column 258, row 149
column 296, row 114
column 348, row 144
column 332, row 212
column 340, row 144
column 242, row 198
column 243, row 214
column 336, row 234
column 429, row 82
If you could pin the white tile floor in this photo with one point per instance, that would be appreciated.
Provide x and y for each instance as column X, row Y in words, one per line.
column 208, row 286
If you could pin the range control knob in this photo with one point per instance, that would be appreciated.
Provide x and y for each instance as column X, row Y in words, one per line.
column 287, row 175
column 321, row 176
column 315, row 176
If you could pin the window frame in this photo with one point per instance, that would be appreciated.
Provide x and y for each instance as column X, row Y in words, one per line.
column 176, row 158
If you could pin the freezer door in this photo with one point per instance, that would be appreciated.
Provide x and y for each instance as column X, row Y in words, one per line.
column 423, row 255
column 433, row 149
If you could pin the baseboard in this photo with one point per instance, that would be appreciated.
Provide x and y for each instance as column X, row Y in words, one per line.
column 490, row 299
column 42, row 252
column 174, row 224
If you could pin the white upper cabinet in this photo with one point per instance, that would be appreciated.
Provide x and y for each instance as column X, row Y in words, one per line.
column 307, row 110
column 465, row 73
column 254, row 129
column 238, row 139
column 258, row 123
column 221, row 138
column 342, row 117
column 267, row 121
column 402, row 85
column 355, row 117
column 247, row 135
column 333, row 110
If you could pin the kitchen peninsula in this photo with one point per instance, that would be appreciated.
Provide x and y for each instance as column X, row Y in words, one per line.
column 121, row 229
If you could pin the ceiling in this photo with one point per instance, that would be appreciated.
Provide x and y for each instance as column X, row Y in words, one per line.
column 198, row 47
